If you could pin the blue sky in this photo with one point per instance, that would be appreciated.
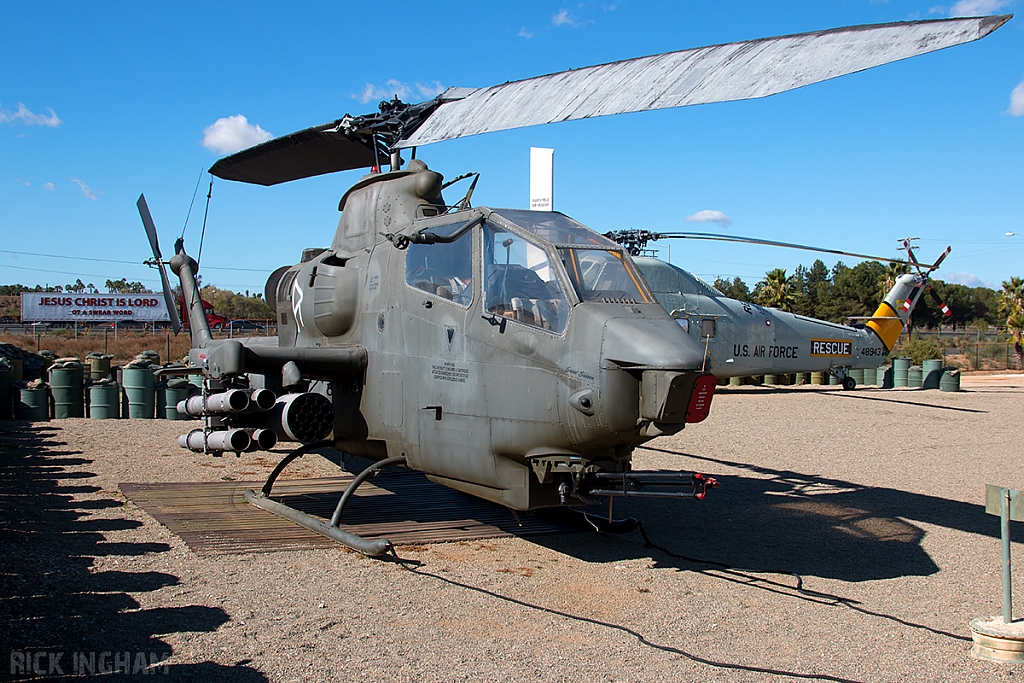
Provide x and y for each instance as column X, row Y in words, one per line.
column 102, row 101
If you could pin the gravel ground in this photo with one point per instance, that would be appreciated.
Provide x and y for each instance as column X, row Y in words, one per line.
column 848, row 542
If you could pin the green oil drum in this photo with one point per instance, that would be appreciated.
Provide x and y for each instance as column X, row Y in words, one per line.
column 803, row 378
column 914, row 377
column 722, row 381
column 104, row 401
column 48, row 357
column 857, row 375
column 931, row 374
column 33, row 404
column 950, row 380
column 784, row 380
column 819, row 378
column 66, row 386
column 161, row 400
column 177, row 390
column 736, row 381
column 900, row 369
column 832, row 379
column 140, row 390
column 771, row 380
column 884, row 376
column 99, row 365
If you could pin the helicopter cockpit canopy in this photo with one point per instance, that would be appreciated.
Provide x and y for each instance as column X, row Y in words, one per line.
column 536, row 266
column 595, row 266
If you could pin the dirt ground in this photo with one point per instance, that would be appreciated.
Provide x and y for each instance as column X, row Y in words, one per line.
column 847, row 542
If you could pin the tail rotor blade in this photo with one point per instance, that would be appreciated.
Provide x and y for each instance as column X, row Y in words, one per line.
column 154, row 243
column 946, row 310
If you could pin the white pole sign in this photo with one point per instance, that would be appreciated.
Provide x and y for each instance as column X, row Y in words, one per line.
column 542, row 179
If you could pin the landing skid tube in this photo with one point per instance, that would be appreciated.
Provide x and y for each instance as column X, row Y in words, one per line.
column 262, row 500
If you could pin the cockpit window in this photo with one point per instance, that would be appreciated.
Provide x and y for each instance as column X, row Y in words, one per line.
column 604, row 276
column 520, row 283
column 555, row 228
column 445, row 270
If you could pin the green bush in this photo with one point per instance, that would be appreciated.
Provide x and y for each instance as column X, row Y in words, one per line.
column 921, row 350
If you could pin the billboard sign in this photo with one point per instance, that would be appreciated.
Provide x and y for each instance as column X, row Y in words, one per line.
column 46, row 307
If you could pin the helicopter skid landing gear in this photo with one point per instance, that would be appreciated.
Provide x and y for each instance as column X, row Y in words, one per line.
column 262, row 500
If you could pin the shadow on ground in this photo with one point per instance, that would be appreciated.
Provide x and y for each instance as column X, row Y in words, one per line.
column 60, row 616
column 788, row 522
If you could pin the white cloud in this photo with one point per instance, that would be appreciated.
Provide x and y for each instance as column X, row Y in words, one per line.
column 403, row 91
column 1017, row 101
column 86, row 190
column 25, row 115
column 26, row 183
column 975, row 8
column 232, row 134
column 710, row 216
column 966, row 279
column 565, row 18
column 525, row 33
column 49, row 187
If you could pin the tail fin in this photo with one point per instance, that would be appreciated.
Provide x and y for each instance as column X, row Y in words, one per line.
column 185, row 267
column 894, row 311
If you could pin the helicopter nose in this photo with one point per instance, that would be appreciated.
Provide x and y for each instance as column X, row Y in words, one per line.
column 652, row 344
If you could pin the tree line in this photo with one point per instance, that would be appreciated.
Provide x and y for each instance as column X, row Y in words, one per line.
column 838, row 293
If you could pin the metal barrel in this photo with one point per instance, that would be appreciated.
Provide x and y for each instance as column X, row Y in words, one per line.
column 832, row 379
column 140, row 389
column 950, row 380
column 104, row 402
column 160, row 400
column 771, row 380
column 33, row 404
column 66, row 386
column 224, row 440
column 803, row 378
column 175, row 393
column 931, row 372
column 818, row 377
column 6, row 397
column 48, row 357
column 99, row 365
column 736, row 381
column 900, row 367
column 858, row 375
column 914, row 377
column 884, row 376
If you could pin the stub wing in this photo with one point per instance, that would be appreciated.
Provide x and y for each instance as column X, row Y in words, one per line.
column 720, row 73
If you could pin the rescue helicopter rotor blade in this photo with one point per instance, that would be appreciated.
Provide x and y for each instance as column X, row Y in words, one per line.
column 154, row 243
column 720, row 73
column 625, row 236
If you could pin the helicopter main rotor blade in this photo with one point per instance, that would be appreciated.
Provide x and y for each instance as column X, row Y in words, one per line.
column 306, row 153
column 720, row 73
column 150, row 226
column 714, row 237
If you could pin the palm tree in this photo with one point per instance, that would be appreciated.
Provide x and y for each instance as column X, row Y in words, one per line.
column 1011, row 305
column 777, row 290
column 888, row 279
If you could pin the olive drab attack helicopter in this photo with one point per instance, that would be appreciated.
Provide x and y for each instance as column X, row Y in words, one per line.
column 514, row 355
column 743, row 338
